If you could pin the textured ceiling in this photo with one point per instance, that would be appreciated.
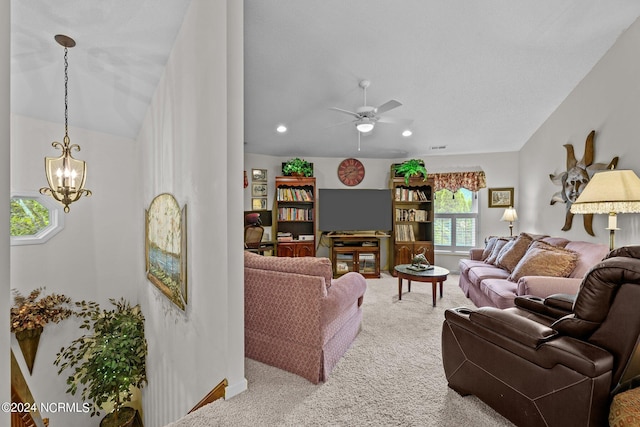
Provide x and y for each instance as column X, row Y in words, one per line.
column 475, row 76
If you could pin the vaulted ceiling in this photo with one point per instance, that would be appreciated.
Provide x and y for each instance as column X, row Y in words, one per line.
column 473, row 76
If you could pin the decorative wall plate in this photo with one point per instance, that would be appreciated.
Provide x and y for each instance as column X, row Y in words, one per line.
column 351, row 172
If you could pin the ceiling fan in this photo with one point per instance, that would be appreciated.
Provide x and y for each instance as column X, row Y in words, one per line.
column 366, row 116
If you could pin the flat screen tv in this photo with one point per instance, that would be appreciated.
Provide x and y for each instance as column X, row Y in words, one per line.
column 349, row 210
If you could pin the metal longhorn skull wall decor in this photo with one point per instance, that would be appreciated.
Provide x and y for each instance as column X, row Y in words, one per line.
column 575, row 179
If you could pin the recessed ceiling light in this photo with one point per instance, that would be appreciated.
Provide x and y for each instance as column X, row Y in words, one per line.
column 407, row 132
column 281, row 128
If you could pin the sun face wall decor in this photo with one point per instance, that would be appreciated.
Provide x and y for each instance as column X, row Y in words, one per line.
column 575, row 179
column 166, row 248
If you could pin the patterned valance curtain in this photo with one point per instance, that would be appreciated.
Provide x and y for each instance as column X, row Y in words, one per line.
column 453, row 181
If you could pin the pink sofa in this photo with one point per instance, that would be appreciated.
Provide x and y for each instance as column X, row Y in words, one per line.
column 488, row 283
column 297, row 317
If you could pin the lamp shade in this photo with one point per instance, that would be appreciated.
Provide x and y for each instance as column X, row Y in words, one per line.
column 365, row 125
column 610, row 191
column 510, row 215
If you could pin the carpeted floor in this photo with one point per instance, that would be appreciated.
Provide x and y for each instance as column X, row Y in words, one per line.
column 391, row 376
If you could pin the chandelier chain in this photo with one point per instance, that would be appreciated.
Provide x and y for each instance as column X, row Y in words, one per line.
column 66, row 97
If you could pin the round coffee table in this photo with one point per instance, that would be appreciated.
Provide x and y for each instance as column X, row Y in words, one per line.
column 434, row 275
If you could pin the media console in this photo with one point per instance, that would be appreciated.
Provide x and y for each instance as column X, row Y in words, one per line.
column 355, row 252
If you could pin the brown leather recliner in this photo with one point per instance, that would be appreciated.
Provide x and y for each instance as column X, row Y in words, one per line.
column 552, row 362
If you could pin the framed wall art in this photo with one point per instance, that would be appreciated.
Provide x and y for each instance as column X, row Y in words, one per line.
column 500, row 197
column 259, row 175
column 258, row 190
column 259, row 203
column 166, row 247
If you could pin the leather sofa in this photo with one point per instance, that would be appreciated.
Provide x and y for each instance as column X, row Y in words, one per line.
column 489, row 282
column 555, row 361
column 297, row 317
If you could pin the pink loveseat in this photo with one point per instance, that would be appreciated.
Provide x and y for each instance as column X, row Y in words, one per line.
column 297, row 317
column 488, row 282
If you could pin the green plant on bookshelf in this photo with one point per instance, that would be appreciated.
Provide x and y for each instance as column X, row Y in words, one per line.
column 297, row 166
column 412, row 168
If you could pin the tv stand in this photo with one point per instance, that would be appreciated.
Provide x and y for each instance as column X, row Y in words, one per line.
column 355, row 252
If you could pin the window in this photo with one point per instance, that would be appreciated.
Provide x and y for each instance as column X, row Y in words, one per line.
column 456, row 219
column 34, row 219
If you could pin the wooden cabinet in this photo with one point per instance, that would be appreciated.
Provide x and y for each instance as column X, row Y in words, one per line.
column 412, row 220
column 296, row 249
column 294, row 212
column 355, row 253
column 404, row 251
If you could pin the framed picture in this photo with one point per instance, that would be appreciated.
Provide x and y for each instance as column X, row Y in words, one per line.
column 500, row 197
column 259, row 175
column 166, row 248
column 259, row 203
column 258, row 190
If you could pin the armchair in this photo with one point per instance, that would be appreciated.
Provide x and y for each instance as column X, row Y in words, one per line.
column 556, row 361
column 297, row 317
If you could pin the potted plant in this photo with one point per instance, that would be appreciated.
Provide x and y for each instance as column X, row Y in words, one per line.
column 109, row 360
column 297, row 167
column 411, row 168
column 31, row 313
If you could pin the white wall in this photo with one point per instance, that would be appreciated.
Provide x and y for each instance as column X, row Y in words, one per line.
column 5, row 48
column 607, row 100
column 501, row 170
column 95, row 257
column 191, row 146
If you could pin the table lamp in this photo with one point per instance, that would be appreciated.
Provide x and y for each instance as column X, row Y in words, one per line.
column 610, row 192
column 510, row 215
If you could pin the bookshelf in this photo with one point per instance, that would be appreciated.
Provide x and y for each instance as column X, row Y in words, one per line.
column 294, row 214
column 412, row 220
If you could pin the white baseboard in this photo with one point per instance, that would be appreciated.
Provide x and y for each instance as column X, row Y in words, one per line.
column 235, row 389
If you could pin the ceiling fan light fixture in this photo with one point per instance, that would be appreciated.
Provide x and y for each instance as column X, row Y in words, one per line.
column 365, row 125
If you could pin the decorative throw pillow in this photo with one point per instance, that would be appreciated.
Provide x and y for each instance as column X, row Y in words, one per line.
column 495, row 251
column 504, row 249
column 513, row 252
column 488, row 247
column 542, row 259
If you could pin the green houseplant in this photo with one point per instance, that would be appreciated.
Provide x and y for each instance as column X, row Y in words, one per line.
column 109, row 359
column 297, row 166
column 411, row 168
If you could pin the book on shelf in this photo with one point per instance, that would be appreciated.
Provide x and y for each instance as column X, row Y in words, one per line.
column 295, row 214
column 404, row 194
column 289, row 194
column 284, row 236
column 418, row 215
column 405, row 233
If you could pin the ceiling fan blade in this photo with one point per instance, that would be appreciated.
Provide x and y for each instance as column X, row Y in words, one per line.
column 389, row 105
column 394, row 120
column 356, row 115
column 340, row 124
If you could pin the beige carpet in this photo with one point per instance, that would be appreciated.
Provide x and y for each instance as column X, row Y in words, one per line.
column 391, row 376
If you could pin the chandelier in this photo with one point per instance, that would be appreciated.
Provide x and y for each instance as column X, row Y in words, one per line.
column 65, row 175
